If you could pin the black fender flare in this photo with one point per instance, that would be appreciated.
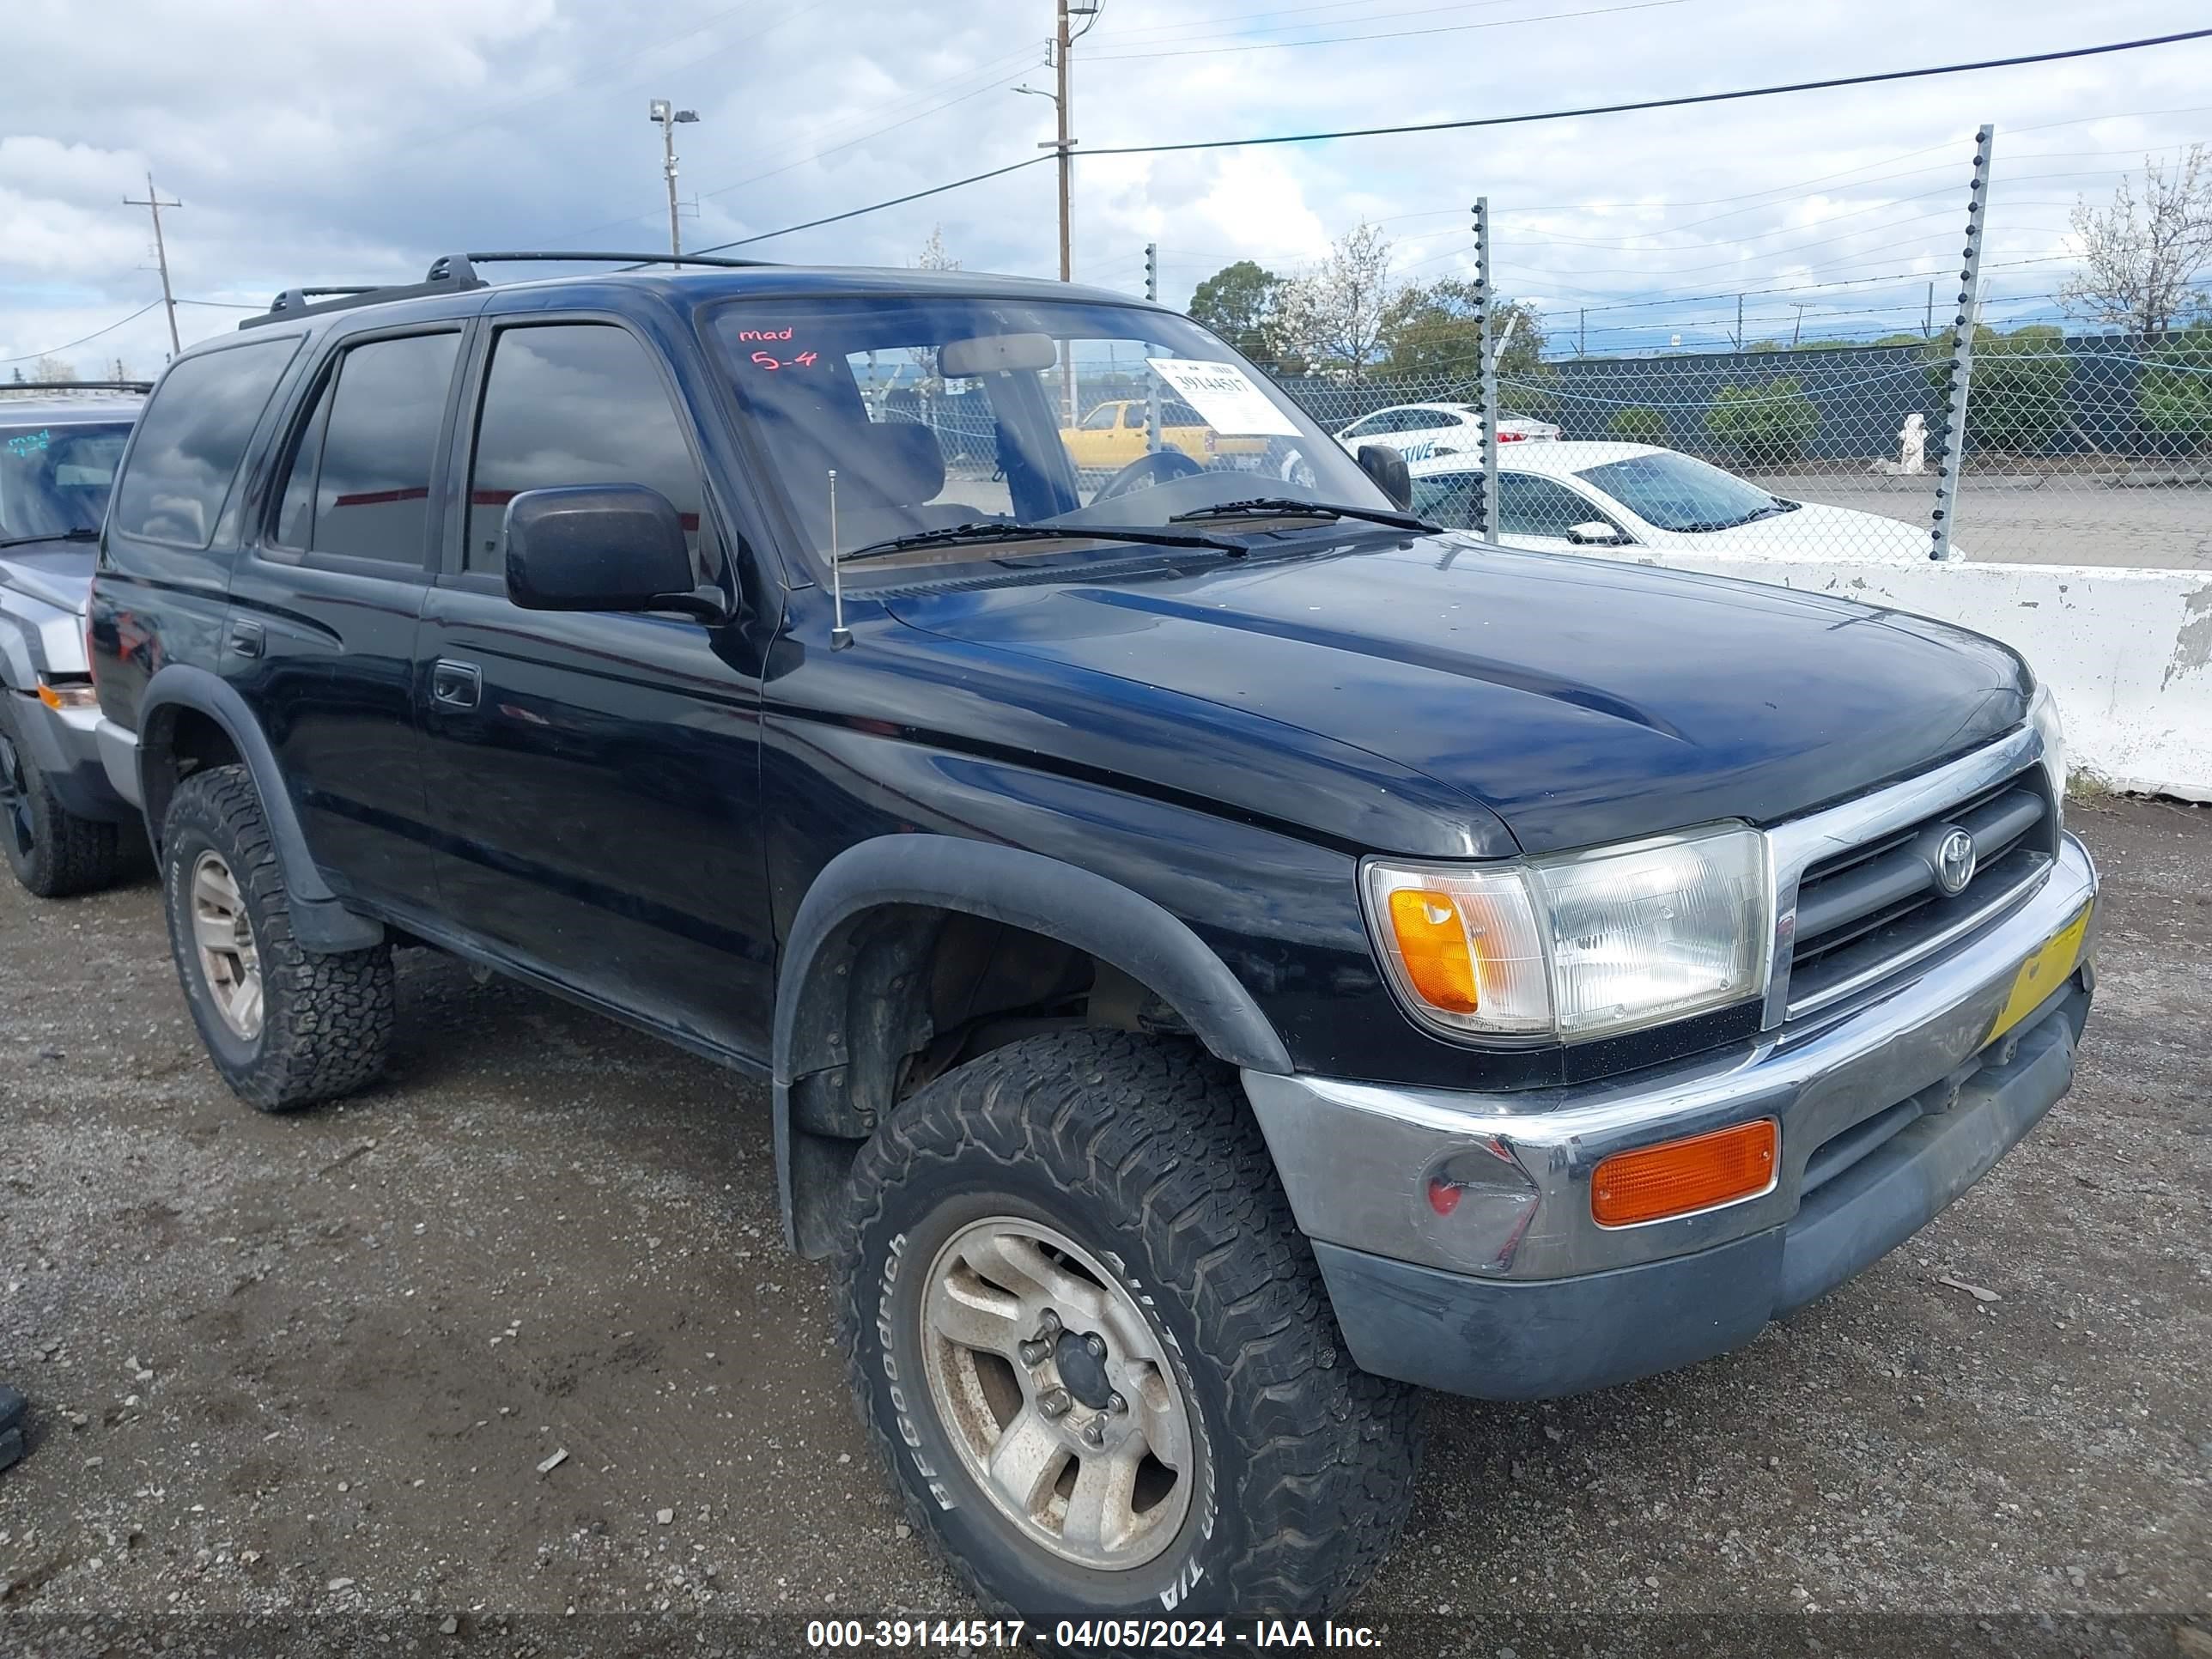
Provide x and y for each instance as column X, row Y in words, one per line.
column 320, row 920
column 1044, row 895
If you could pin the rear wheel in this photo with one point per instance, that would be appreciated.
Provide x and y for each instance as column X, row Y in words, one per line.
column 50, row 850
column 286, row 1026
column 1088, row 1337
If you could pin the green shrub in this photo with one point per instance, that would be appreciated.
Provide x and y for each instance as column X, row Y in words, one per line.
column 1765, row 424
column 1639, row 424
column 2174, row 395
column 2016, row 400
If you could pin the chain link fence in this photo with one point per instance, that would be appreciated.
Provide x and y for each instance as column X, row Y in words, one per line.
column 2001, row 438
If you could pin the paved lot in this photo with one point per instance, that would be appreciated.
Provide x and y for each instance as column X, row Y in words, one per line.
column 308, row 1367
column 2060, row 520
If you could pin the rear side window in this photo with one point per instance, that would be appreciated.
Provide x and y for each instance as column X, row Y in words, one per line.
column 1529, row 505
column 572, row 404
column 359, row 486
column 190, row 440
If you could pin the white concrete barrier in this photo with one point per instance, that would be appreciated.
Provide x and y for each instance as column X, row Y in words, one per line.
column 2127, row 651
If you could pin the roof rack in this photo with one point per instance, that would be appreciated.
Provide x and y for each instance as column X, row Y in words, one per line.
column 35, row 388
column 456, row 273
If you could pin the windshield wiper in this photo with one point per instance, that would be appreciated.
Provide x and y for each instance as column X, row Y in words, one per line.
column 1290, row 507
column 79, row 533
column 993, row 530
column 1774, row 510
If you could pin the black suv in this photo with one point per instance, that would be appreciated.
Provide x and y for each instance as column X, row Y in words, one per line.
column 1224, row 951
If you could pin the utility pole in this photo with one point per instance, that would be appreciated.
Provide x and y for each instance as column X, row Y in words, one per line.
column 1797, row 326
column 1739, row 322
column 666, row 117
column 1928, row 325
column 1063, row 141
column 160, row 253
column 1582, row 332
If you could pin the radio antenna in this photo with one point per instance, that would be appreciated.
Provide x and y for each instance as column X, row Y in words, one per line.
column 840, row 635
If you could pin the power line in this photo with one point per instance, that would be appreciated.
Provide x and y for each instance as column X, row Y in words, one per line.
column 1202, row 25
column 29, row 357
column 1384, row 34
column 878, row 207
column 1678, row 102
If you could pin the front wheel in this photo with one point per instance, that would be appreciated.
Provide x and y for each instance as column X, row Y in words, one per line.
column 50, row 850
column 1087, row 1335
column 285, row 1025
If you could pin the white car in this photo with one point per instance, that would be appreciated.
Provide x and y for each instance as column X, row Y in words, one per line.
column 1422, row 431
column 1577, row 496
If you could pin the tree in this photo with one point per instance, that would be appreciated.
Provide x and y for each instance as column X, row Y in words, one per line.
column 50, row 371
column 1334, row 315
column 1431, row 331
column 2173, row 397
column 932, row 256
column 1766, row 424
column 2142, row 255
column 1638, row 424
column 1243, row 303
column 2017, row 399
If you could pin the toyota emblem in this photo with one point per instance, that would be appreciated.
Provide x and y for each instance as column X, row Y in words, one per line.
column 1955, row 862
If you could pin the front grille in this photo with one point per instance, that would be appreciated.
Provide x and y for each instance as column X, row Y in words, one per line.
column 1876, row 909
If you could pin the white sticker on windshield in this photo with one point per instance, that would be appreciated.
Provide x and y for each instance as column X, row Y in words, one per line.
column 1224, row 397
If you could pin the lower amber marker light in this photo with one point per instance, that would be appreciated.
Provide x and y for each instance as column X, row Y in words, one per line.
column 1679, row 1177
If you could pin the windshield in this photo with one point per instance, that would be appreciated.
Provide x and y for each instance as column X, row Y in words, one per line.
column 55, row 478
column 935, row 411
column 1678, row 492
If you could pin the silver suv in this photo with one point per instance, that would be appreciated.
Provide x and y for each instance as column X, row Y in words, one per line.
column 62, row 827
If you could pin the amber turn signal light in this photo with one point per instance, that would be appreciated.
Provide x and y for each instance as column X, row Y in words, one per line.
column 1679, row 1177
column 1432, row 941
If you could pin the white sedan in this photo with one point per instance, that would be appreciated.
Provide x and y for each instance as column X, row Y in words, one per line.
column 1421, row 431
column 1598, row 497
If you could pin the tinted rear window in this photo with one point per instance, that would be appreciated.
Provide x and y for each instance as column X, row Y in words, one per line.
column 190, row 440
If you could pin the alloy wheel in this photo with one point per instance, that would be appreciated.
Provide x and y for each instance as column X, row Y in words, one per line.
column 230, row 963
column 1057, row 1390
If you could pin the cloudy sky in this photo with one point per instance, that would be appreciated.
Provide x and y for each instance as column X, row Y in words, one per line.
column 314, row 142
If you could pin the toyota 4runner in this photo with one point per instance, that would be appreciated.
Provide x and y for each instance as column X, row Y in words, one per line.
column 1226, row 954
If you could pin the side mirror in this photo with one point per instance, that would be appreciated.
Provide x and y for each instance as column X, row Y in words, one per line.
column 1388, row 468
column 601, row 547
column 1594, row 532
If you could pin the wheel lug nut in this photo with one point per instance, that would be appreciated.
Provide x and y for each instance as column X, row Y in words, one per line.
column 1094, row 1432
column 1050, row 1325
column 1116, row 1404
column 1097, row 1343
column 1054, row 1402
column 1036, row 1352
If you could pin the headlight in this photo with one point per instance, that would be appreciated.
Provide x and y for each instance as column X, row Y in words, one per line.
column 1584, row 945
column 2043, row 715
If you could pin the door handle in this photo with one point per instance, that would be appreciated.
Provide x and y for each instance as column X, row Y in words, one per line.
column 456, row 684
column 245, row 638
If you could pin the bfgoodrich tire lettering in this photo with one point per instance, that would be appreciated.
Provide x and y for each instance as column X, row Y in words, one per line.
column 323, row 1021
column 1144, row 1153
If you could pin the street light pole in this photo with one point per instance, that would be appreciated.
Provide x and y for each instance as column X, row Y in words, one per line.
column 667, row 116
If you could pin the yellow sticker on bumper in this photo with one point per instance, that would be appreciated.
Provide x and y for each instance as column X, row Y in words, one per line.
column 2042, row 973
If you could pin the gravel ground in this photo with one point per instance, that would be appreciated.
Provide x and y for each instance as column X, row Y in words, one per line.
column 2059, row 519
column 306, row 1375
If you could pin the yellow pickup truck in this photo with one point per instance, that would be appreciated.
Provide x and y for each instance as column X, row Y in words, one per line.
column 1113, row 434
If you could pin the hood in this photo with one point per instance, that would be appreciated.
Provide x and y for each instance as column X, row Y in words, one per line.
column 1814, row 529
column 59, row 574
column 1577, row 699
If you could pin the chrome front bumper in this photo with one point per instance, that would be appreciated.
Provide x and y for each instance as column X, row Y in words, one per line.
column 1357, row 1159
